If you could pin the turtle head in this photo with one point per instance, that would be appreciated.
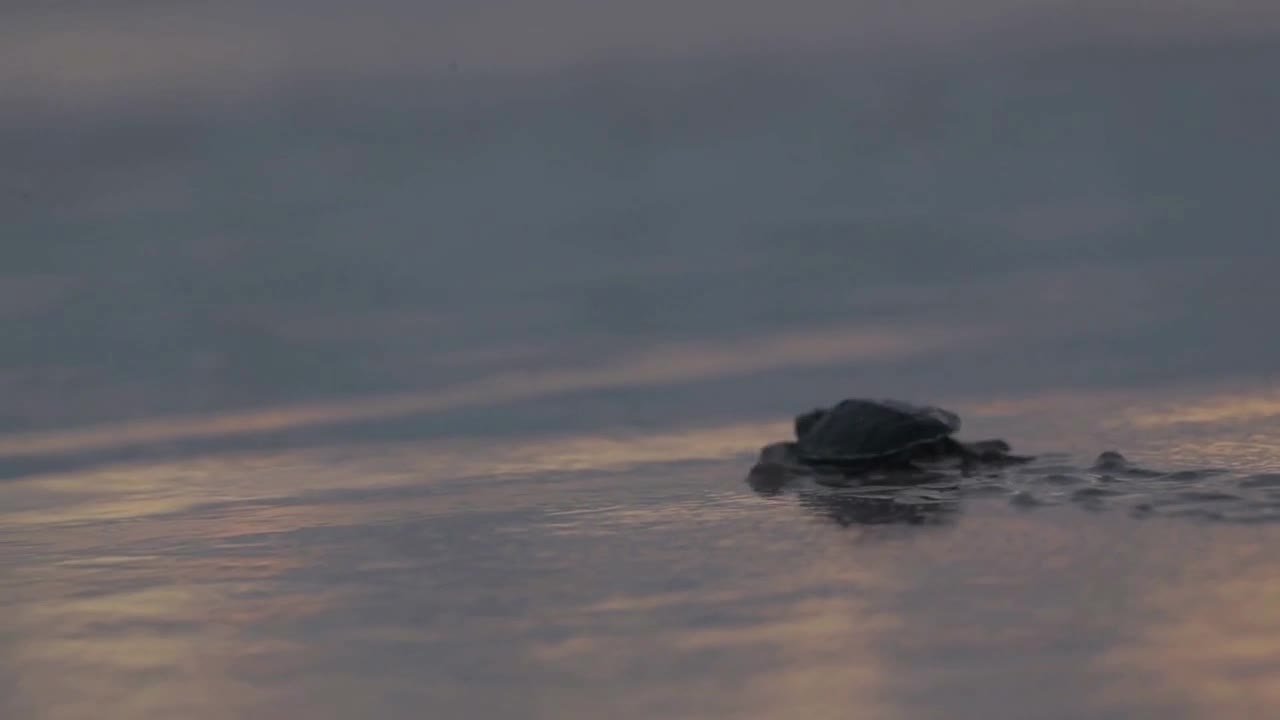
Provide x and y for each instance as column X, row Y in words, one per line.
column 805, row 422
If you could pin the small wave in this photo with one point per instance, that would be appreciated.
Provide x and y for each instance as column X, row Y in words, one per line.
column 1112, row 483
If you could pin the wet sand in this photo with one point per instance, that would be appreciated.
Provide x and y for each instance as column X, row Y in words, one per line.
column 634, row 574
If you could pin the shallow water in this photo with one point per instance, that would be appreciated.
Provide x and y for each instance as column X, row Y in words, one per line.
column 636, row 575
column 405, row 365
column 935, row 491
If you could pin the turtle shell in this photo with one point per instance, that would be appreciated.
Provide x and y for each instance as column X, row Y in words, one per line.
column 856, row 431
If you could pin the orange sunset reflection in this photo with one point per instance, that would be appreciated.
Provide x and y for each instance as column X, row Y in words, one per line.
column 662, row 366
column 1208, row 636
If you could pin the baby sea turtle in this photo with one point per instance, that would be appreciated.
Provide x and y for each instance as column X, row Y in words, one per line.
column 859, row 435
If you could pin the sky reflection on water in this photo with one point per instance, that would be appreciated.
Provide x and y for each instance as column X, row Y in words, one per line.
column 629, row 573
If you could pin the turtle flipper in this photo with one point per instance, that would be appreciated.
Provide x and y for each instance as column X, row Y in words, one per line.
column 994, row 452
column 969, row 459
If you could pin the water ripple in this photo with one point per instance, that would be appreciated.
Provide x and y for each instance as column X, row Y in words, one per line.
column 1111, row 483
